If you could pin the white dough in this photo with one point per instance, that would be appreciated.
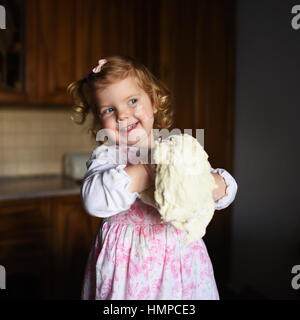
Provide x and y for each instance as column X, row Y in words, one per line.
column 183, row 185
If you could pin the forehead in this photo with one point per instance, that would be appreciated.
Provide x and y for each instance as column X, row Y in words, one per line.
column 119, row 90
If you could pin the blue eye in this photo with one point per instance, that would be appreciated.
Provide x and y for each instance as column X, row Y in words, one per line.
column 132, row 101
column 107, row 110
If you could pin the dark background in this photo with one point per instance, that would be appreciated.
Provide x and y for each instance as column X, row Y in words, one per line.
column 266, row 214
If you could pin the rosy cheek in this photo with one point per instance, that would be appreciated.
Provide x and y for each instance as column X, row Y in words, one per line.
column 138, row 110
column 107, row 123
column 150, row 116
column 146, row 115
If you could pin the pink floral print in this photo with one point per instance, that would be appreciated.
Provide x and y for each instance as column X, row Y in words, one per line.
column 135, row 256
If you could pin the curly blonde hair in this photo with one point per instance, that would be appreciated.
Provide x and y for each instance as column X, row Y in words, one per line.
column 118, row 68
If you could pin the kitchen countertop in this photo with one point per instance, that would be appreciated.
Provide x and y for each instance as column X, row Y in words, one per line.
column 14, row 188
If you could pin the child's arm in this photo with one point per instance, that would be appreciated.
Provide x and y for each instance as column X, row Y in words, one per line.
column 225, row 193
column 105, row 189
column 141, row 177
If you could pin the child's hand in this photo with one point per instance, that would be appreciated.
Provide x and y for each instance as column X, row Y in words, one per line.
column 220, row 191
column 142, row 176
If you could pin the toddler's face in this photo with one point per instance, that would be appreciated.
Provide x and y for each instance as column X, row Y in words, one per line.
column 126, row 110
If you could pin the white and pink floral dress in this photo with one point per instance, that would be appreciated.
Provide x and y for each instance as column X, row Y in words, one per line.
column 134, row 255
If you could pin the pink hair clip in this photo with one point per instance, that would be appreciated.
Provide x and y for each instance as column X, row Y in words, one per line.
column 99, row 66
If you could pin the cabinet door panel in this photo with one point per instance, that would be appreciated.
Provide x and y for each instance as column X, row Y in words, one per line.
column 25, row 247
column 73, row 233
column 17, row 222
column 18, row 53
column 56, row 23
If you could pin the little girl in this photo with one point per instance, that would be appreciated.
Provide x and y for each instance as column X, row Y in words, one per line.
column 135, row 255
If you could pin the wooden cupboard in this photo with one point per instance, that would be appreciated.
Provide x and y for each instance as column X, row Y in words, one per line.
column 64, row 39
column 44, row 245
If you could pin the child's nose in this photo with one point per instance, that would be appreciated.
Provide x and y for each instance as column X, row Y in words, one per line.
column 124, row 113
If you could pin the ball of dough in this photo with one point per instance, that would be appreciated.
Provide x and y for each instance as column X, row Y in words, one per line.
column 184, row 185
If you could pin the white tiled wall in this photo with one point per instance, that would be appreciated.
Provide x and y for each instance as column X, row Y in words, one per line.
column 33, row 140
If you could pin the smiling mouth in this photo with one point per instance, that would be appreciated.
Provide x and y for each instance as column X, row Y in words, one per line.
column 129, row 128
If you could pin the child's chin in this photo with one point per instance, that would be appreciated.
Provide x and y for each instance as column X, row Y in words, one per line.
column 134, row 140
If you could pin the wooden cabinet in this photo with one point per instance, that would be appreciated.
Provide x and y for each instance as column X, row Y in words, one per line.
column 44, row 245
column 64, row 40
column 73, row 233
column 57, row 42
column 25, row 241
column 52, row 53
column 17, row 55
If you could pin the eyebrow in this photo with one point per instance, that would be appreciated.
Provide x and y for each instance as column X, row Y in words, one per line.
column 130, row 96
